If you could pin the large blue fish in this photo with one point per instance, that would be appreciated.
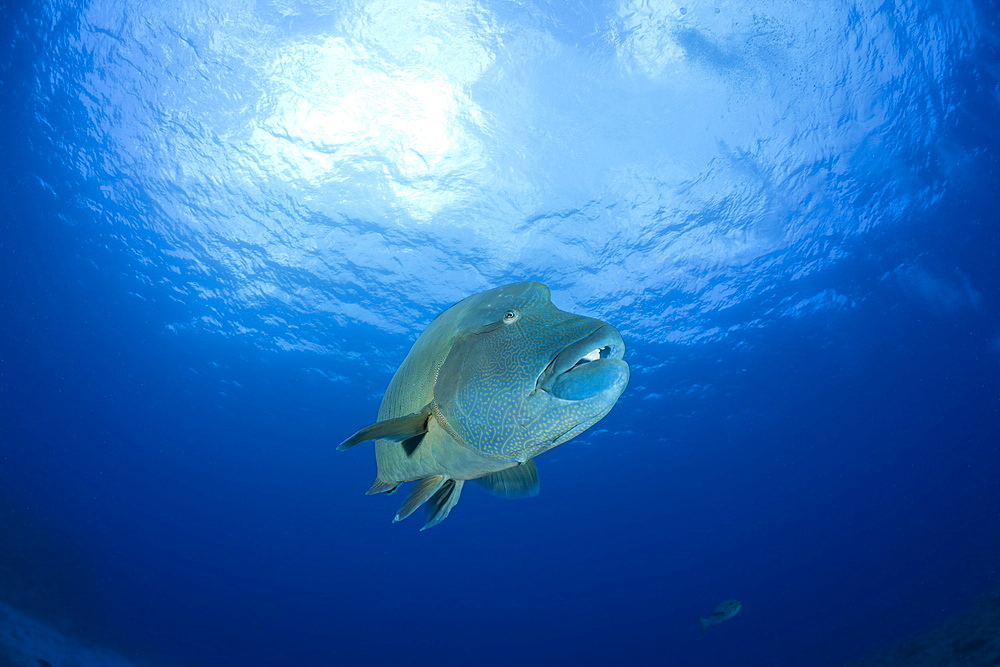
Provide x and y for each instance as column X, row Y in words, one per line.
column 494, row 381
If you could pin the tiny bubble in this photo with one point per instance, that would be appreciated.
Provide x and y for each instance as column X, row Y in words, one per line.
column 717, row 10
column 684, row 10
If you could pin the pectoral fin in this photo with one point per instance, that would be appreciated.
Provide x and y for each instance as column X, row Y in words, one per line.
column 409, row 428
column 517, row 482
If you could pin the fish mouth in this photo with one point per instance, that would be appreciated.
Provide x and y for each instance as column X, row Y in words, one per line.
column 588, row 367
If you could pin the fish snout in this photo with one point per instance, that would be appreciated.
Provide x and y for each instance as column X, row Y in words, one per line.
column 590, row 367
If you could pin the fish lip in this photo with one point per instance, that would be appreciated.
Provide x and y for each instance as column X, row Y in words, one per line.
column 604, row 338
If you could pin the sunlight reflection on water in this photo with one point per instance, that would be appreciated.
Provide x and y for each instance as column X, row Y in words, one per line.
column 376, row 162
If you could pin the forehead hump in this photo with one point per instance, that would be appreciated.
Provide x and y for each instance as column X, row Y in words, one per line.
column 516, row 295
column 489, row 307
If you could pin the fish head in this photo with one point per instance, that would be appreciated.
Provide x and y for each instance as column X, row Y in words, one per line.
column 729, row 608
column 523, row 376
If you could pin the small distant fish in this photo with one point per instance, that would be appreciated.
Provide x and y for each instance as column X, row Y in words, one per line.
column 723, row 611
column 43, row 663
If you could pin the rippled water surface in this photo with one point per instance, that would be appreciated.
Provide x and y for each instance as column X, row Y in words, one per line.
column 296, row 169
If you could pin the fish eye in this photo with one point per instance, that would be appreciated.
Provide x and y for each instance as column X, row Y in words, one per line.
column 510, row 316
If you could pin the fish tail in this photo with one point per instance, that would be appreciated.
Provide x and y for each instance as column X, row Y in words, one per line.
column 704, row 623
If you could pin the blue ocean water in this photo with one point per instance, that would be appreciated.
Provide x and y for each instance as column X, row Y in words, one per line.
column 224, row 223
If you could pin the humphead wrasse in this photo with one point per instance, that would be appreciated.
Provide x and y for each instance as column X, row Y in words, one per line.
column 491, row 383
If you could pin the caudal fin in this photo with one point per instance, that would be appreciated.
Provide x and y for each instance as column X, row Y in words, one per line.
column 704, row 623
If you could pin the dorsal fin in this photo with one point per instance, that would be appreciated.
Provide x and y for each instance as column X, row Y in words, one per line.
column 407, row 427
column 517, row 482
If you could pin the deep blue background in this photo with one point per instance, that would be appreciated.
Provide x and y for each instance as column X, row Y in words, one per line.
column 173, row 492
